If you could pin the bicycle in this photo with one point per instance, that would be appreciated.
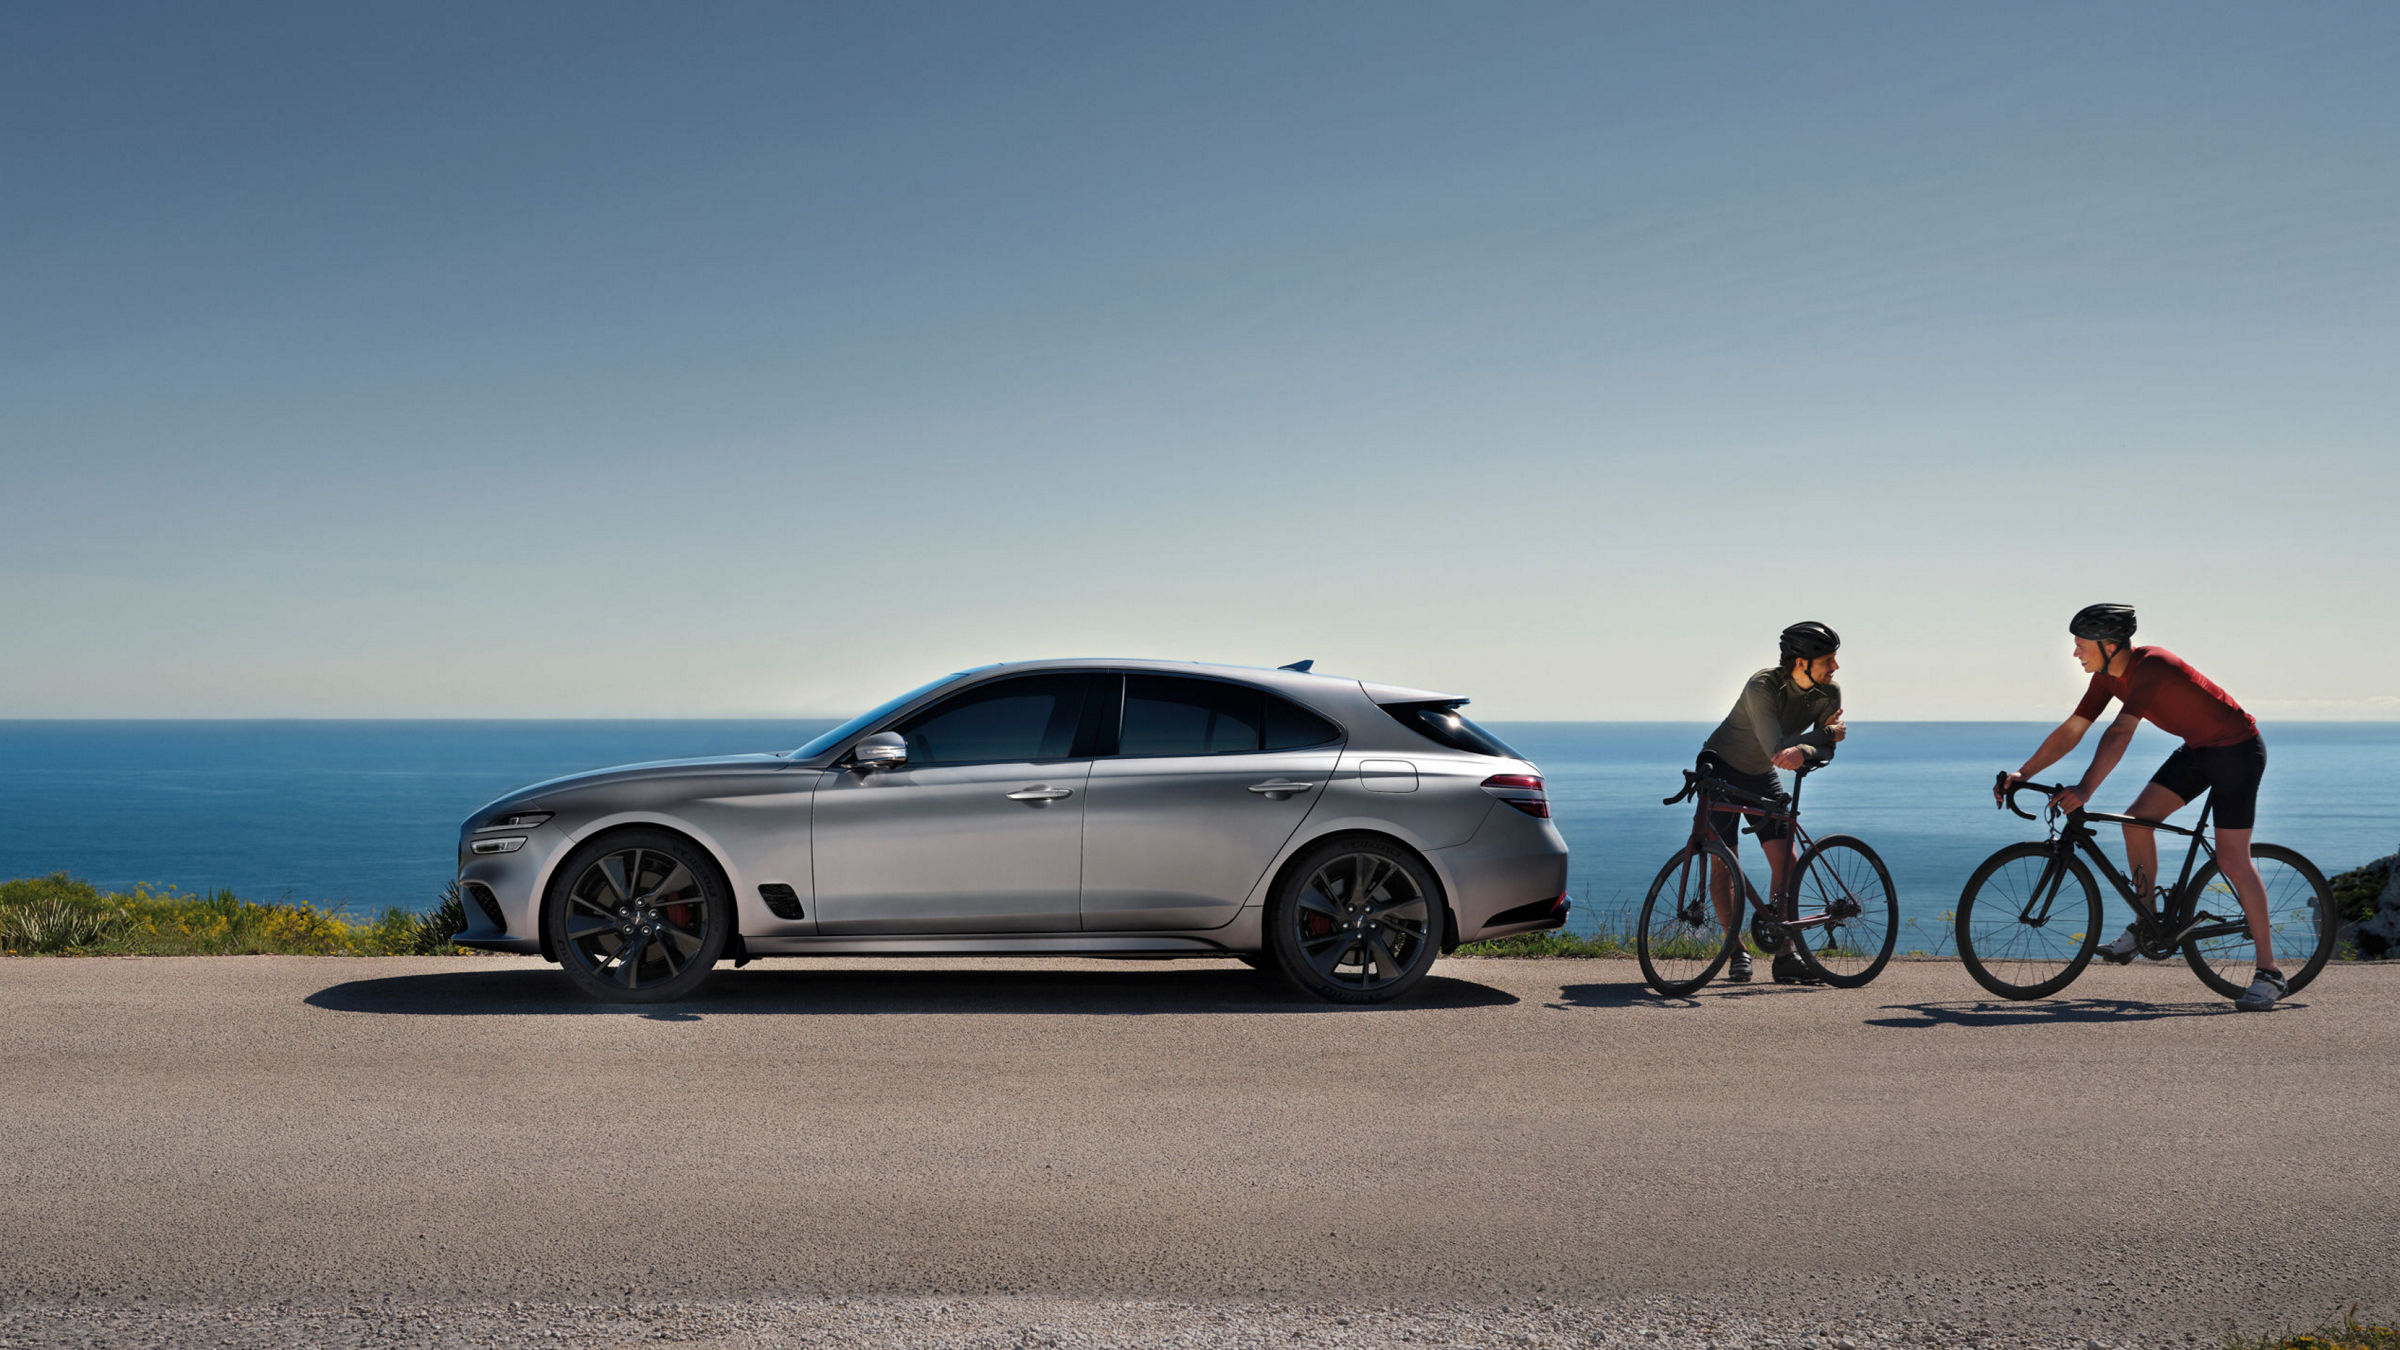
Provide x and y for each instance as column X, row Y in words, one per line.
column 2024, row 935
column 1843, row 935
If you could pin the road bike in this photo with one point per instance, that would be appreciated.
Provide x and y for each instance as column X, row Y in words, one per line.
column 2029, row 919
column 1838, row 909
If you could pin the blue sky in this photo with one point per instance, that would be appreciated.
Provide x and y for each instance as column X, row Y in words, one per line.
column 585, row 360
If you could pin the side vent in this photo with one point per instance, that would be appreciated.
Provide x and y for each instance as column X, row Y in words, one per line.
column 487, row 902
column 782, row 900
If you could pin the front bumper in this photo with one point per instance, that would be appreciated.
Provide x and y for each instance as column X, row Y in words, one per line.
column 502, row 892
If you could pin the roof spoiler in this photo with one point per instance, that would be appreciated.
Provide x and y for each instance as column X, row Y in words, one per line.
column 1392, row 693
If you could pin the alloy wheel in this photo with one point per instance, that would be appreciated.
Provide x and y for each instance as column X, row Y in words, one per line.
column 1361, row 921
column 636, row 916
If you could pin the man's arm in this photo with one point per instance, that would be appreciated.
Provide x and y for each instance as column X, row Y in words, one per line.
column 1814, row 745
column 2055, row 747
column 2111, row 749
column 1758, row 713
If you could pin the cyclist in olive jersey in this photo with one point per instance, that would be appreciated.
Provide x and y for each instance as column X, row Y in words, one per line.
column 2221, row 752
column 1788, row 716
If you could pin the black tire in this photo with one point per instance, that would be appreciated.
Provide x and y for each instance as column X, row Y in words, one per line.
column 1356, row 920
column 1842, row 877
column 651, row 893
column 1681, row 944
column 2020, row 960
column 2300, row 918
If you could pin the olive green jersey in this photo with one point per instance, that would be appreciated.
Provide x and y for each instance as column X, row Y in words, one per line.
column 1774, row 713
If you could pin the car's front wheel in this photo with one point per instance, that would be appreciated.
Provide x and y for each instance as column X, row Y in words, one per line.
column 638, row 917
column 1356, row 921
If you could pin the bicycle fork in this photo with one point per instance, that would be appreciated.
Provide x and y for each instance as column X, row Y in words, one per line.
column 2036, row 913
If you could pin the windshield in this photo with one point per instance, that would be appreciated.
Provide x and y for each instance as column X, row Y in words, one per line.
column 869, row 718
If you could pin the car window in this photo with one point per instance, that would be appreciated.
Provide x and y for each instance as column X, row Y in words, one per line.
column 1165, row 715
column 1442, row 724
column 1292, row 727
column 1169, row 716
column 1033, row 717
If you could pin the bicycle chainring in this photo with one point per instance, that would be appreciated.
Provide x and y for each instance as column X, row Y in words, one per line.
column 1766, row 930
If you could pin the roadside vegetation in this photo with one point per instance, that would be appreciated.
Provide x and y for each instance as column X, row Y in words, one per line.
column 2347, row 1334
column 57, row 915
column 1553, row 944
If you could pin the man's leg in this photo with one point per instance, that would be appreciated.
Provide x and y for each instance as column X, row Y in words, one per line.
column 2153, row 802
column 2233, row 859
column 1779, row 867
column 1720, row 883
column 2141, row 842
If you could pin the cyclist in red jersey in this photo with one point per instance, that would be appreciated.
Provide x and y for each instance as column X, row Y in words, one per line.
column 2221, row 751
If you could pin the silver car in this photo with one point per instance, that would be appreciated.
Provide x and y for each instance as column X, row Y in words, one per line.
column 1342, row 833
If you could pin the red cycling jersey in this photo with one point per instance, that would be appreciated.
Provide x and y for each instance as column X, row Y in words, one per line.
column 2161, row 688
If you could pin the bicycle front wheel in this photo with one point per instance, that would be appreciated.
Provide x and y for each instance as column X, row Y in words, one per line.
column 1842, row 879
column 2300, row 922
column 2028, row 921
column 1681, row 942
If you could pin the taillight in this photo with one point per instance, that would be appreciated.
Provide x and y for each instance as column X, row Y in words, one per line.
column 1520, row 790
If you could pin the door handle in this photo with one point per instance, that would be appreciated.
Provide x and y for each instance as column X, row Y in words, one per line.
column 1279, row 790
column 1040, row 795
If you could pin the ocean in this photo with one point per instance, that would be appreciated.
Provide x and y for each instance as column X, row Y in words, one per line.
column 362, row 815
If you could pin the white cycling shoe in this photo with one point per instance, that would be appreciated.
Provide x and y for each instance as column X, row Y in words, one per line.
column 2265, row 987
column 2122, row 951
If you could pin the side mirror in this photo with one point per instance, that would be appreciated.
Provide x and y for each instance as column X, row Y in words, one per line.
column 883, row 750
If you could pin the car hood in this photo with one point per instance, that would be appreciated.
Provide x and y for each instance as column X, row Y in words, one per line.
column 654, row 771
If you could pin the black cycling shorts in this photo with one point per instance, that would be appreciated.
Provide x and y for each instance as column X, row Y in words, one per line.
column 2230, row 771
column 1728, row 824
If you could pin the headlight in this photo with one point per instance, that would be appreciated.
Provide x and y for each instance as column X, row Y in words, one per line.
column 509, row 845
column 517, row 820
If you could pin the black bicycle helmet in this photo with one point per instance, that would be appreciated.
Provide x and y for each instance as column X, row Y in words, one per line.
column 2103, row 623
column 1808, row 641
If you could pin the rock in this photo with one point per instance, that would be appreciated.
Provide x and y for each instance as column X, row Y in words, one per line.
column 2379, row 936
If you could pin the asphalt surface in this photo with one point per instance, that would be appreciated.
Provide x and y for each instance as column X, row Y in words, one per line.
column 2137, row 1163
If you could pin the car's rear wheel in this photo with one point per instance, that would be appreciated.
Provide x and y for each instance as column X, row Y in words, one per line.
column 638, row 917
column 1356, row 921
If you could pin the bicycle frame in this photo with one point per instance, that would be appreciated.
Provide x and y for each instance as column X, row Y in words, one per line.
column 2076, row 835
column 1783, row 904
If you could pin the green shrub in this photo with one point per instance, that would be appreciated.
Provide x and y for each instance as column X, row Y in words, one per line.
column 55, row 914
column 397, row 932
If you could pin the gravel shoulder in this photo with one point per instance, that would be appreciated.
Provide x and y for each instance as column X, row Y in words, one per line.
column 346, row 1151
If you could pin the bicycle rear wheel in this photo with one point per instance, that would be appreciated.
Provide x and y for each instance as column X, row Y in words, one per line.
column 2024, row 929
column 1679, row 939
column 1843, row 879
column 2300, row 922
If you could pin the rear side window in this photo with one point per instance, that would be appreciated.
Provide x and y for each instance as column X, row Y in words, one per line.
column 1034, row 717
column 1165, row 715
column 1292, row 727
column 1443, row 724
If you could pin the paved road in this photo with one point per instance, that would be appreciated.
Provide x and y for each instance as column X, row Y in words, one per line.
column 2140, row 1161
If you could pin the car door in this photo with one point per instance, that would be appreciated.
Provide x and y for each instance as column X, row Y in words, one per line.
column 1208, row 779
column 980, row 831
